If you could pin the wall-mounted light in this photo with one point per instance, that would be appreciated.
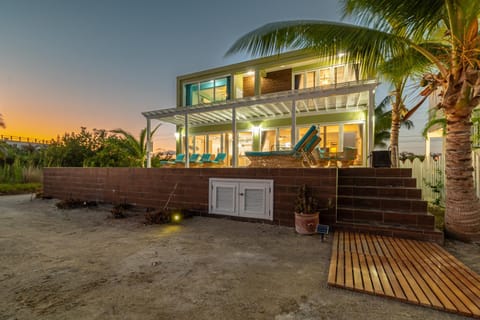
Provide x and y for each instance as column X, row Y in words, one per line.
column 256, row 130
column 177, row 135
column 250, row 73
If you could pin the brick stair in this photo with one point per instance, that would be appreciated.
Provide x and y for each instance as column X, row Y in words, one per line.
column 383, row 201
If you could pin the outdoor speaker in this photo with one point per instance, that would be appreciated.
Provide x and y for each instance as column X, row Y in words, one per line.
column 381, row 159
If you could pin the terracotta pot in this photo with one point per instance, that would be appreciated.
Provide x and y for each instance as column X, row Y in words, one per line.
column 306, row 223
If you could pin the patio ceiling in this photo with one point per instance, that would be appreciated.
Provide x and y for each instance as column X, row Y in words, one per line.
column 350, row 96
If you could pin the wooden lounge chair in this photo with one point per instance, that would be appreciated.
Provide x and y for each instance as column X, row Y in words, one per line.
column 299, row 156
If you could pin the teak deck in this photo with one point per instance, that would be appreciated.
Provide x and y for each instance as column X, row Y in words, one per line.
column 412, row 271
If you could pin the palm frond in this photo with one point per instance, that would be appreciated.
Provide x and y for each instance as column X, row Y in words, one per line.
column 412, row 19
column 434, row 122
column 327, row 39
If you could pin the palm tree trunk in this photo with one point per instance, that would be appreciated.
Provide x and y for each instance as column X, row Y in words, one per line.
column 394, row 133
column 395, row 128
column 462, row 214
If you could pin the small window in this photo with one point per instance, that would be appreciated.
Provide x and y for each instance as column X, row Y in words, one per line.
column 206, row 92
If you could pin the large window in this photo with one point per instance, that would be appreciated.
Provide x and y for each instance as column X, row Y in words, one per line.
column 275, row 139
column 207, row 91
column 268, row 140
column 324, row 76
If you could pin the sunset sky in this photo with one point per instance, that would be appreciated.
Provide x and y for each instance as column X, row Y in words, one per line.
column 99, row 63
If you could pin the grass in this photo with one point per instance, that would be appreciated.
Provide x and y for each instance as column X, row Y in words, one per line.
column 439, row 213
column 19, row 188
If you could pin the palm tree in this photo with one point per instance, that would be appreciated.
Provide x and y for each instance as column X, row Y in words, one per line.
column 136, row 149
column 445, row 32
column 2, row 123
column 383, row 123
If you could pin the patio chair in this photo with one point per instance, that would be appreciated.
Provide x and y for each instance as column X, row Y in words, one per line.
column 218, row 161
column 299, row 156
column 347, row 157
column 179, row 157
column 206, row 157
column 180, row 162
column 323, row 157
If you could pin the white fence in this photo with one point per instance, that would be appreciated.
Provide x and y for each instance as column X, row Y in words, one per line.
column 430, row 176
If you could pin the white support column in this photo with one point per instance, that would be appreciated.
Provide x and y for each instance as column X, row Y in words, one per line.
column 234, row 138
column 428, row 159
column 149, row 143
column 293, row 131
column 187, row 157
column 371, row 120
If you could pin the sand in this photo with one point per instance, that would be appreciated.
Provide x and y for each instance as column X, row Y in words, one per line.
column 82, row 264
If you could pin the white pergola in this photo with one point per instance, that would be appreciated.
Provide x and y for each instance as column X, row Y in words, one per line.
column 340, row 98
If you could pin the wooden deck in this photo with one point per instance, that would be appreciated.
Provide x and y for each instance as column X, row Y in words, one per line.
column 416, row 272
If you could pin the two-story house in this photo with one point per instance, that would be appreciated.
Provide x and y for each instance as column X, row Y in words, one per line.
column 268, row 104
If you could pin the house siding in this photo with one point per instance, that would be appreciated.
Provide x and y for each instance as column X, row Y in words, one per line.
column 277, row 81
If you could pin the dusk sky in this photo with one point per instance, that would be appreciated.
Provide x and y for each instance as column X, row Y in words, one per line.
column 98, row 64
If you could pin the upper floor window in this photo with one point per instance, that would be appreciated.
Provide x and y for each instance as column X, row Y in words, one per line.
column 207, row 91
column 325, row 76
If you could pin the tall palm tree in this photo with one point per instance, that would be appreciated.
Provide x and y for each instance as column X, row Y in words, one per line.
column 135, row 148
column 445, row 32
column 383, row 122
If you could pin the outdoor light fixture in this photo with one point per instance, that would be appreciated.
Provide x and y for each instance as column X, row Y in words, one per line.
column 177, row 135
column 176, row 217
column 250, row 73
column 256, row 130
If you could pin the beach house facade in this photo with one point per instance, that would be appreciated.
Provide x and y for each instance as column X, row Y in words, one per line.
column 267, row 104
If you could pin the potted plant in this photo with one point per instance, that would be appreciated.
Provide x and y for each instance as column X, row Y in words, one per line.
column 306, row 211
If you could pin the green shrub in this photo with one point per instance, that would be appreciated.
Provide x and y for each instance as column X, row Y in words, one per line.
column 439, row 213
column 19, row 188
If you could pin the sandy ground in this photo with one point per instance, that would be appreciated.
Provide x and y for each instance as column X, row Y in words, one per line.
column 82, row 264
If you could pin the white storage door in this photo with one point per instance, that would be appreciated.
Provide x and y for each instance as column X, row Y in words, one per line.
column 223, row 197
column 248, row 198
column 253, row 200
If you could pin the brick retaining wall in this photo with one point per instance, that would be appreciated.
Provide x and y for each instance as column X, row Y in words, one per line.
column 151, row 187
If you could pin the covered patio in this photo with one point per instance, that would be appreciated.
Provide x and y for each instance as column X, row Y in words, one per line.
column 295, row 107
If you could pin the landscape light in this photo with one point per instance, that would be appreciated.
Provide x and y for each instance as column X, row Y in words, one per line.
column 176, row 217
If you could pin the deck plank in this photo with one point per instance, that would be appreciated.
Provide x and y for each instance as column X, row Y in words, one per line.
column 332, row 271
column 408, row 270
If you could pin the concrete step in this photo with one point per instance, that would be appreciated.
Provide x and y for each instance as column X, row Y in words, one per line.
column 392, row 231
column 375, row 172
column 380, row 192
column 421, row 221
column 385, row 204
column 362, row 181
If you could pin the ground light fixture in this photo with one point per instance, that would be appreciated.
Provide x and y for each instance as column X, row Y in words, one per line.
column 176, row 217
